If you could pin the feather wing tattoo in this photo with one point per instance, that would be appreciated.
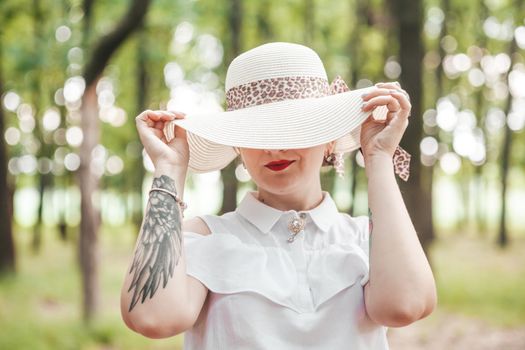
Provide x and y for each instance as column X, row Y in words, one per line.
column 159, row 249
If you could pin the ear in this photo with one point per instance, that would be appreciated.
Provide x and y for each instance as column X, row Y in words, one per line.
column 330, row 146
column 239, row 155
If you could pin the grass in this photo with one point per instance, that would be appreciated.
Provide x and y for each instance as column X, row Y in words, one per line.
column 477, row 278
column 40, row 307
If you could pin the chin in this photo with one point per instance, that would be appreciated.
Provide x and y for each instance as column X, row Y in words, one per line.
column 281, row 187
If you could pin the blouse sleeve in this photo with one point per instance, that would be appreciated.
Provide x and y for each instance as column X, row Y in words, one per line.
column 362, row 240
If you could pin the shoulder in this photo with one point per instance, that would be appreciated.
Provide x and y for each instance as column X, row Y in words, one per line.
column 197, row 225
column 208, row 223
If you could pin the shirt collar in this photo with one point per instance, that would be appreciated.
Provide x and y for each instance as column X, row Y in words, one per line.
column 264, row 217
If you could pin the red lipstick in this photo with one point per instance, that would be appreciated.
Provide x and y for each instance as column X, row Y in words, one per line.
column 278, row 165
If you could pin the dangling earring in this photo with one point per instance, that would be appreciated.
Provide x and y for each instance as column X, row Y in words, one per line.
column 337, row 161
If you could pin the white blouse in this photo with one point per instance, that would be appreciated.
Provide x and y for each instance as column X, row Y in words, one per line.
column 268, row 293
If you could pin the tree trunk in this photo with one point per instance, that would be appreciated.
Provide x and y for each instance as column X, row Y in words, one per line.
column 44, row 180
column 417, row 192
column 89, row 222
column 88, row 183
column 503, row 238
column 62, row 227
column 353, row 48
column 7, row 247
column 480, row 182
column 230, row 182
column 142, row 98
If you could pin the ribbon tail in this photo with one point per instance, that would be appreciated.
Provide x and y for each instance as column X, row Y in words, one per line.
column 401, row 161
column 338, row 86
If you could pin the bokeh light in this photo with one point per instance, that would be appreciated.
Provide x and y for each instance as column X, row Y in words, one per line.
column 74, row 89
column 11, row 101
column 62, row 34
column 450, row 163
column 74, row 136
column 51, row 119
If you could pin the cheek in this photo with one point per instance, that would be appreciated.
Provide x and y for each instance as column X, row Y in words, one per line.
column 314, row 159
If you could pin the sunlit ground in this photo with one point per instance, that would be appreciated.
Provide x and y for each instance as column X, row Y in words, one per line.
column 40, row 308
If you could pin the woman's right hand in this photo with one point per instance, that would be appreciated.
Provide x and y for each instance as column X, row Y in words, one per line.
column 150, row 125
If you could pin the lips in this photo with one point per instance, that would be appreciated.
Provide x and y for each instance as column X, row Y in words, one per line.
column 279, row 165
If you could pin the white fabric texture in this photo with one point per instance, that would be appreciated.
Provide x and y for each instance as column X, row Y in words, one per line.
column 268, row 293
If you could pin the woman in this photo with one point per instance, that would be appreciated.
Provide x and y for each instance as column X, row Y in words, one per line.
column 285, row 270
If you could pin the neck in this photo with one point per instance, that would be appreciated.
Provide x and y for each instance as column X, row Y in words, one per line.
column 305, row 199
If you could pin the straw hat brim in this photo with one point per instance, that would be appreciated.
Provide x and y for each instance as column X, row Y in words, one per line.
column 287, row 124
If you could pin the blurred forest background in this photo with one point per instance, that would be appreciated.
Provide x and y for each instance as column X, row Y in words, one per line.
column 74, row 177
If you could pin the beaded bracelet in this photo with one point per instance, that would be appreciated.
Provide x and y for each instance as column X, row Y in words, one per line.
column 181, row 203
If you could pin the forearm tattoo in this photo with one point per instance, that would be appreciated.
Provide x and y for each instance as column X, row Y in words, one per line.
column 160, row 245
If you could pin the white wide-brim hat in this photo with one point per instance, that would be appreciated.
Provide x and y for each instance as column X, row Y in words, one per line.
column 278, row 97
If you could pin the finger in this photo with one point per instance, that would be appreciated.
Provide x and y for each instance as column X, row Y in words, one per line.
column 163, row 116
column 143, row 119
column 150, row 136
column 149, row 115
column 403, row 101
column 158, row 133
column 389, row 101
column 389, row 85
column 176, row 131
column 159, row 125
column 393, row 86
column 375, row 92
column 390, row 116
column 178, row 115
column 399, row 122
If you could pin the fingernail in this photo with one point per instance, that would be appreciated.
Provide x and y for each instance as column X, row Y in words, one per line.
column 364, row 95
column 363, row 105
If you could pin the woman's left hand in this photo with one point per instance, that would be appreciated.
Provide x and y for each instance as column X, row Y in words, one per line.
column 381, row 137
